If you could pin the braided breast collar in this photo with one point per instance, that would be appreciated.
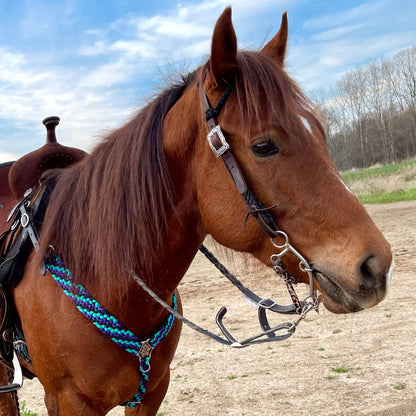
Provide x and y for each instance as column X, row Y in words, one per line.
column 109, row 325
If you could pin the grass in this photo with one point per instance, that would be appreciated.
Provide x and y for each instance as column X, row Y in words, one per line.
column 384, row 184
column 233, row 376
column 24, row 411
column 339, row 370
column 377, row 170
column 384, row 198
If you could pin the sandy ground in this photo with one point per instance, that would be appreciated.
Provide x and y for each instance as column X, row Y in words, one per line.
column 300, row 376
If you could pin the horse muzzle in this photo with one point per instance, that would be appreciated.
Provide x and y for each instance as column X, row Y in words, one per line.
column 363, row 289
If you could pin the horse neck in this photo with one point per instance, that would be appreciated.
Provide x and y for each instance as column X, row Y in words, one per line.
column 183, row 233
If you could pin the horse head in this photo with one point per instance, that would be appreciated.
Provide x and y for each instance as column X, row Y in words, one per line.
column 280, row 147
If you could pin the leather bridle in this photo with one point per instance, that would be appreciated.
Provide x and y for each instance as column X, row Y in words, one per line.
column 256, row 209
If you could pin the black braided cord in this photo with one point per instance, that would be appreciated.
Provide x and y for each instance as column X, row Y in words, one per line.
column 215, row 111
column 251, row 201
column 226, row 273
column 265, row 303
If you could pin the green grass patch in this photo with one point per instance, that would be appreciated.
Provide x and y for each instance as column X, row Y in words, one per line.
column 384, row 198
column 377, row 171
column 339, row 370
column 24, row 411
column 384, row 184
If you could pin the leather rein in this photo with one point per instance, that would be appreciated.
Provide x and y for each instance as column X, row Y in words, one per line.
column 264, row 218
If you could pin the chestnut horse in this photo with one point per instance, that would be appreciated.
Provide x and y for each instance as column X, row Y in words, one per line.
column 148, row 195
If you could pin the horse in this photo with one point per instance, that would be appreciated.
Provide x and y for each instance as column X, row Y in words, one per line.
column 147, row 196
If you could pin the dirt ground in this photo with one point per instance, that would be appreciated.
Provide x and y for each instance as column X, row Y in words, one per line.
column 357, row 364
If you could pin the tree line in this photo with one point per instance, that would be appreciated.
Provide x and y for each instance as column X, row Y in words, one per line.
column 370, row 114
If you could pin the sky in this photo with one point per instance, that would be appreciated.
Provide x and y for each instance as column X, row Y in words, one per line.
column 95, row 63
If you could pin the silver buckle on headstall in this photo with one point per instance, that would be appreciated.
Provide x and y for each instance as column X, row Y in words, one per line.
column 224, row 145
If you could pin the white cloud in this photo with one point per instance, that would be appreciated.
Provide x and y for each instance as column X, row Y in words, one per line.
column 159, row 37
column 13, row 69
column 363, row 12
column 182, row 25
column 97, row 48
column 7, row 157
column 337, row 32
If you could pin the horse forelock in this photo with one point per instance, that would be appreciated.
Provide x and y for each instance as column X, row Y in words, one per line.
column 265, row 92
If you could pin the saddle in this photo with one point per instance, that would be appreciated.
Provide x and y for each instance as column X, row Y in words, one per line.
column 23, row 181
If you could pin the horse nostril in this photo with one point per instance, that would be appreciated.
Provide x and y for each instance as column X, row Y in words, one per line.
column 372, row 273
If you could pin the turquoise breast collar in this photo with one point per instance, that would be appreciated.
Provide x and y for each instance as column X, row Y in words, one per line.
column 109, row 325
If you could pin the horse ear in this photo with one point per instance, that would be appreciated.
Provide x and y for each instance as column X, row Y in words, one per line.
column 277, row 46
column 223, row 48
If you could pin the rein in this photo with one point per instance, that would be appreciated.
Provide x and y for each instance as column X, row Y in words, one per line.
column 263, row 305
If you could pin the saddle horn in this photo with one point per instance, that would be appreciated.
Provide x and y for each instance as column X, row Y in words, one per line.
column 27, row 170
column 50, row 123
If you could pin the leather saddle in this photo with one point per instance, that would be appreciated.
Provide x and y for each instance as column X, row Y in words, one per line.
column 24, row 196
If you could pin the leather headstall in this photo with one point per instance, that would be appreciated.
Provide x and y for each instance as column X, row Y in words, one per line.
column 221, row 148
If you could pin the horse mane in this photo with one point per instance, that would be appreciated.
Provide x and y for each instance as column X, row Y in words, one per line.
column 100, row 237
column 105, row 237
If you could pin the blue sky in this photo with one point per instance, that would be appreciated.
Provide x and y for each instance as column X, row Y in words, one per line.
column 93, row 63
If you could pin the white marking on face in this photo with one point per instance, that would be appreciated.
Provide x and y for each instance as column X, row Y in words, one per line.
column 390, row 273
column 306, row 124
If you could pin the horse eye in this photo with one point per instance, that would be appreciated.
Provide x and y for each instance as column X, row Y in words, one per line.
column 264, row 149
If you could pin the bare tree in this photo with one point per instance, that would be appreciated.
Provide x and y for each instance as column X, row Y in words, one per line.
column 370, row 114
column 405, row 63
